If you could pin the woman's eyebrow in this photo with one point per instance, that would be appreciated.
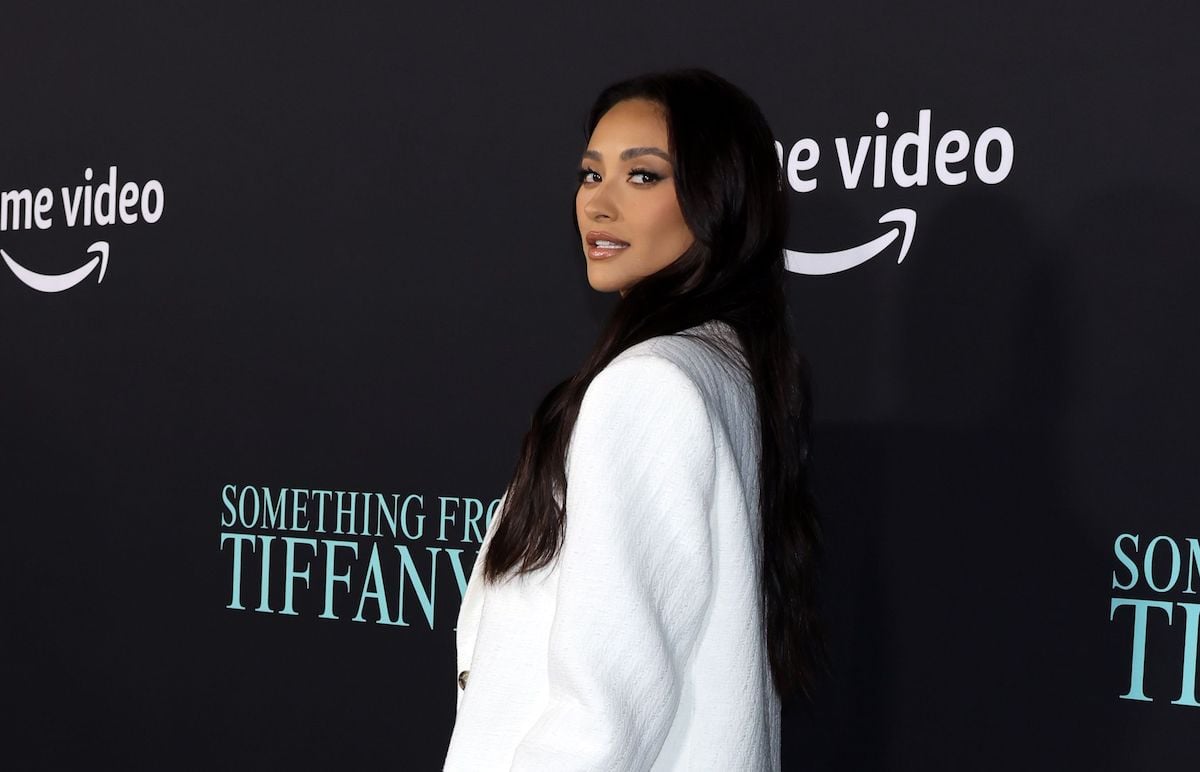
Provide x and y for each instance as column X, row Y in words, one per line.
column 632, row 152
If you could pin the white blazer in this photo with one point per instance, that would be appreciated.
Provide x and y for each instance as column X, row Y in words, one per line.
column 641, row 647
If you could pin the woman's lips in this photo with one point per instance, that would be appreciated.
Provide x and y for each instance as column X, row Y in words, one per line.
column 603, row 245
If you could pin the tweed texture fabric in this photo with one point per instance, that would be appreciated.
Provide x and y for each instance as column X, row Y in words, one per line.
column 641, row 646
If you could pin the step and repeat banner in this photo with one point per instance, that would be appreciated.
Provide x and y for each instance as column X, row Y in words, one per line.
column 282, row 284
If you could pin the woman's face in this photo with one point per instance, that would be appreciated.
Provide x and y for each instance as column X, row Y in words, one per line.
column 630, row 223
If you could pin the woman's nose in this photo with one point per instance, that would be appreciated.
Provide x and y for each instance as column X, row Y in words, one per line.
column 599, row 204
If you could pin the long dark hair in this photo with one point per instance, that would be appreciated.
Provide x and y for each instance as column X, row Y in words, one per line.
column 729, row 186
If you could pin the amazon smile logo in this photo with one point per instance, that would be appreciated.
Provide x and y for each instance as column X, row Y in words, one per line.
column 954, row 158
column 85, row 205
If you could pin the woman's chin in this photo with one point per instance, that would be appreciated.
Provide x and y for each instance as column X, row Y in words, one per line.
column 602, row 281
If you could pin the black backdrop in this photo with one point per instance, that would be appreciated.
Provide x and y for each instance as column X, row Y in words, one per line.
column 361, row 276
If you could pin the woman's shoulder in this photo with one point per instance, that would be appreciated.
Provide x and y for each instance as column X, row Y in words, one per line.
column 701, row 366
column 682, row 388
column 709, row 355
column 653, row 392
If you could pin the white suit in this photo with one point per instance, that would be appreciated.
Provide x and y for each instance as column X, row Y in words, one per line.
column 641, row 646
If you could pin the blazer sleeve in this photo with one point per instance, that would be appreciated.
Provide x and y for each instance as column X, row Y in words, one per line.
column 635, row 571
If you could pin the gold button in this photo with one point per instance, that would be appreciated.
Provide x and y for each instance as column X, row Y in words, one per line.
column 462, row 679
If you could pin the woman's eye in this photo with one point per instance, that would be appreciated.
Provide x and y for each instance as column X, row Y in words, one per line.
column 637, row 176
column 648, row 177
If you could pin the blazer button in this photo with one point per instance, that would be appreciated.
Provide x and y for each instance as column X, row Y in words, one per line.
column 462, row 679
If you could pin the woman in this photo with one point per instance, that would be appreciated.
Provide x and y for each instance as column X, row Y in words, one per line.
column 641, row 601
